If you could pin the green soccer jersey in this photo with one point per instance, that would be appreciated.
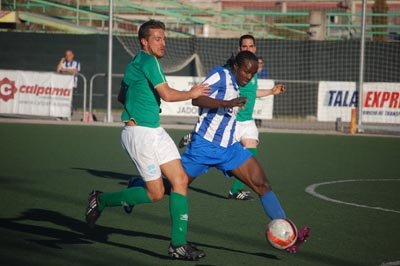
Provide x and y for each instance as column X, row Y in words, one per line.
column 142, row 101
column 250, row 92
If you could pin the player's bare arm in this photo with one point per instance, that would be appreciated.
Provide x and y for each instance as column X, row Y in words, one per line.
column 207, row 102
column 276, row 90
column 169, row 94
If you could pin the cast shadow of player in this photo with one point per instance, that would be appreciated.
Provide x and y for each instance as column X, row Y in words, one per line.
column 79, row 233
column 126, row 177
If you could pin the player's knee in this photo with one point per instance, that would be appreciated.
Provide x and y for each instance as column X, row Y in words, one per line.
column 156, row 195
column 181, row 181
column 180, row 184
column 262, row 185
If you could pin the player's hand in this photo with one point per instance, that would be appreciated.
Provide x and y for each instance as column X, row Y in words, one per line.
column 278, row 89
column 199, row 90
column 62, row 60
column 237, row 102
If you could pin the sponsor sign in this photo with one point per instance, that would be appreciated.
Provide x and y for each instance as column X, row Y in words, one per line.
column 380, row 104
column 184, row 108
column 264, row 105
column 35, row 93
column 336, row 99
column 262, row 110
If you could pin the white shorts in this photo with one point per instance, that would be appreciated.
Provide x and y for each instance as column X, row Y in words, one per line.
column 149, row 148
column 246, row 130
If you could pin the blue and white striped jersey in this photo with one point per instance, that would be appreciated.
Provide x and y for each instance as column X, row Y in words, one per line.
column 218, row 125
column 73, row 65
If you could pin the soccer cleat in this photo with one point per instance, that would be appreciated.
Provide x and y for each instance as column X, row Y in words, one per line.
column 92, row 211
column 185, row 252
column 302, row 236
column 128, row 208
column 241, row 195
column 185, row 140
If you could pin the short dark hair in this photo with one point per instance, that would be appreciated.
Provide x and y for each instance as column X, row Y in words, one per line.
column 144, row 30
column 246, row 36
column 240, row 59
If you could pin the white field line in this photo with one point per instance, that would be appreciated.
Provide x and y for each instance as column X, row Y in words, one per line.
column 311, row 190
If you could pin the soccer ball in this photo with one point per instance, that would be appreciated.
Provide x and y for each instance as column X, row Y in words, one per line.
column 281, row 233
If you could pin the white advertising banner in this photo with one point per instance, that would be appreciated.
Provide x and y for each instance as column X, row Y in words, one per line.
column 262, row 110
column 264, row 105
column 335, row 100
column 35, row 93
column 184, row 108
column 381, row 103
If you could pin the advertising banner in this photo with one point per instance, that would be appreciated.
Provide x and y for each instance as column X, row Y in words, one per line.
column 35, row 93
column 380, row 104
column 262, row 110
column 335, row 100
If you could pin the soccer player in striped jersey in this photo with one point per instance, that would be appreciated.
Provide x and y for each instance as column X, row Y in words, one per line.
column 214, row 144
column 246, row 129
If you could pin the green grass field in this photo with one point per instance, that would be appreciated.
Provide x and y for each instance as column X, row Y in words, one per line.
column 48, row 170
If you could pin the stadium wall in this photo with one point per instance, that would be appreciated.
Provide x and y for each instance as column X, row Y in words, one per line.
column 287, row 60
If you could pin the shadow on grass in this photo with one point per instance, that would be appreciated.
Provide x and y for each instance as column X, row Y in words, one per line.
column 125, row 178
column 105, row 174
column 77, row 232
column 207, row 193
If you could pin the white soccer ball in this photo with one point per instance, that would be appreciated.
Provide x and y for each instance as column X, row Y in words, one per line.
column 281, row 233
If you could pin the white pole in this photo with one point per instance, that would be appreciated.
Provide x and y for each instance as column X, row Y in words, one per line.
column 361, row 74
column 109, row 73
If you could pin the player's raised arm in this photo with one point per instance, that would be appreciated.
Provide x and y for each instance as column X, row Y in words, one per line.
column 207, row 102
column 276, row 90
column 169, row 94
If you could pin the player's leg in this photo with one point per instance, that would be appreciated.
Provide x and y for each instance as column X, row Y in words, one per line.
column 98, row 201
column 252, row 174
column 247, row 133
column 138, row 142
column 171, row 167
column 237, row 189
column 178, row 200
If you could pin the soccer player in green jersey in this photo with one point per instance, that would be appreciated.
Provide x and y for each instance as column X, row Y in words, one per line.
column 148, row 145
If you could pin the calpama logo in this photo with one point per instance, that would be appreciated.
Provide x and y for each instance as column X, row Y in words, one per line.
column 7, row 89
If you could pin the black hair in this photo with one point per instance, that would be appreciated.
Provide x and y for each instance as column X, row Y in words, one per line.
column 240, row 59
column 246, row 36
column 144, row 30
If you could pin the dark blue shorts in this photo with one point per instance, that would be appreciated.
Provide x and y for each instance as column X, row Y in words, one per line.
column 201, row 154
